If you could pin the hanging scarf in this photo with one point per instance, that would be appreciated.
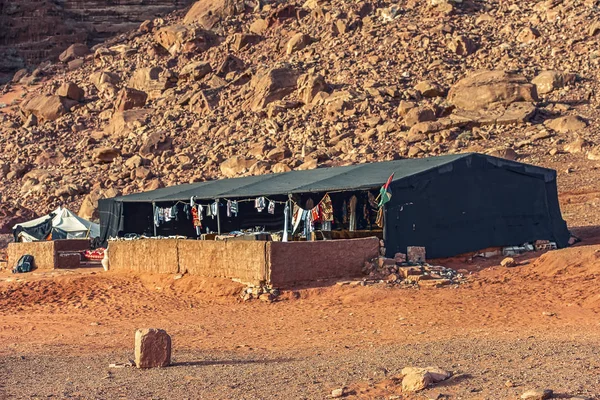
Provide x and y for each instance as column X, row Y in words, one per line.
column 234, row 208
column 379, row 220
column 271, row 207
column 286, row 215
column 296, row 218
column 260, row 204
column 327, row 208
column 214, row 209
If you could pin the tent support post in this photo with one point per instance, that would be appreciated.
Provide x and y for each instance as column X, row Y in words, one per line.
column 153, row 213
column 218, row 218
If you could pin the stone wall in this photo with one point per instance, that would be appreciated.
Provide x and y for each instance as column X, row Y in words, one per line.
column 32, row 31
column 150, row 255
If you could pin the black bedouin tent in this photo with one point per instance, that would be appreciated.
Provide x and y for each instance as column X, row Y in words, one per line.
column 449, row 204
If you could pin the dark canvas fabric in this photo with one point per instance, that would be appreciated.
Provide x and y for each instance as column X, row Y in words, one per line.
column 40, row 231
column 449, row 204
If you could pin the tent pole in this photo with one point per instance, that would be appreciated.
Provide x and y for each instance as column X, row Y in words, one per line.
column 218, row 218
column 153, row 213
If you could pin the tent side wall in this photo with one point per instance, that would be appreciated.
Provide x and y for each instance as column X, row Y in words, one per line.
column 111, row 219
column 472, row 204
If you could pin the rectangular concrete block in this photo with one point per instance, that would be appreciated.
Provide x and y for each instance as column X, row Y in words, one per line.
column 152, row 348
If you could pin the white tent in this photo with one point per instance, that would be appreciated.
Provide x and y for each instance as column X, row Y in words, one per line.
column 65, row 225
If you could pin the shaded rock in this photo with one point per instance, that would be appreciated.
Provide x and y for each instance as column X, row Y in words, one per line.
column 507, row 154
column 204, row 101
column 74, row 51
column 271, row 85
column 106, row 154
column 569, row 123
column 231, row 63
column 437, row 374
column 129, row 98
column 462, row 45
column 429, row 89
column 508, row 262
column 184, row 38
column 154, row 143
column 99, row 79
column 575, row 146
column 528, row 35
column 241, row 40
column 481, row 89
column 419, row 114
column 152, row 348
column 71, row 91
column 89, row 205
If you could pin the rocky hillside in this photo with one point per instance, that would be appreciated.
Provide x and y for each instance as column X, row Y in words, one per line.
column 233, row 87
column 33, row 31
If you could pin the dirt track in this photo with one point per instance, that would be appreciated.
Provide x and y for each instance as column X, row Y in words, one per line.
column 535, row 325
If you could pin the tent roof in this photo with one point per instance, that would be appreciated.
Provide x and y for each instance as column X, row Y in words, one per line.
column 353, row 177
column 66, row 221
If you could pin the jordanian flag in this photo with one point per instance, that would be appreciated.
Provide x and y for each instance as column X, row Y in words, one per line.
column 385, row 193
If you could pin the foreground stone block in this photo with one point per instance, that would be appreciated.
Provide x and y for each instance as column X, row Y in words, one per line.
column 152, row 348
column 416, row 254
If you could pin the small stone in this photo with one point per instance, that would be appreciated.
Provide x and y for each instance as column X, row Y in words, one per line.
column 508, row 262
column 152, row 348
column 416, row 254
column 416, row 381
column 537, row 394
column 337, row 393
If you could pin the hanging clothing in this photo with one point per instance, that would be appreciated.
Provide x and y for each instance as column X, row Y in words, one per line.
column 296, row 218
column 327, row 209
column 345, row 212
column 228, row 208
column 271, row 207
column 209, row 211
column 379, row 220
column 234, row 208
column 352, row 206
column 214, row 209
column 192, row 201
column 286, row 216
column 306, row 217
column 260, row 204
column 156, row 217
column 187, row 211
column 197, row 218
column 314, row 214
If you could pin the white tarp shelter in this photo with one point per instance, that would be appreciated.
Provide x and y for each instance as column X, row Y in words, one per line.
column 65, row 225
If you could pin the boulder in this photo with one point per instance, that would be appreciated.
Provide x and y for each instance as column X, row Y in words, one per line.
column 89, row 205
column 569, row 123
column 241, row 40
column 45, row 107
column 462, row 45
column 528, row 35
column 71, row 91
column 298, row 42
column 129, row 98
column 152, row 348
column 481, row 89
column 437, row 374
column 419, row 114
column 429, row 89
column 123, row 122
column 547, row 81
column 416, row 381
column 178, row 38
column 234, row 166
column 152, row 80
column 106, row 154
column 195, row 71
column 20, row 74
column 207, row 13
column 154, row 143
column 309, row 85
column 508, row 262
column 270, row 85
column 77, row 50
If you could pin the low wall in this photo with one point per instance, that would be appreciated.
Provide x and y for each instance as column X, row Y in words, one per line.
column 149, row 255
column 296, row 262
column 251, row 262
column 45, row 254
column 241, row 260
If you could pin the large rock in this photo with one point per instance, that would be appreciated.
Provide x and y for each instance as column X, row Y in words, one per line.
column 74, row 51
column 298, row 42
column 419, row 114
column 437, row 374
column 123, row 122
column 481, row 89
column 271, row 85
column 537, row 394
column 129, row 98
column 101, row 78
column 106, row 154
column 569, row 123
column 154, row 143
column 71, row 91
column 547, row 81
column 45, row 107
column 195, row 70
column 416, row 381
column 309, row 85
column 183, row 38
column 152, row 348
column 89, row 205
column 236, row 165
column 152, row 80
column 207, row 13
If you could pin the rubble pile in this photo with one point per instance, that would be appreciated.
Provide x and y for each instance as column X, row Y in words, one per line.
column 233, row 88
column 264, row 293
column 418, row 274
